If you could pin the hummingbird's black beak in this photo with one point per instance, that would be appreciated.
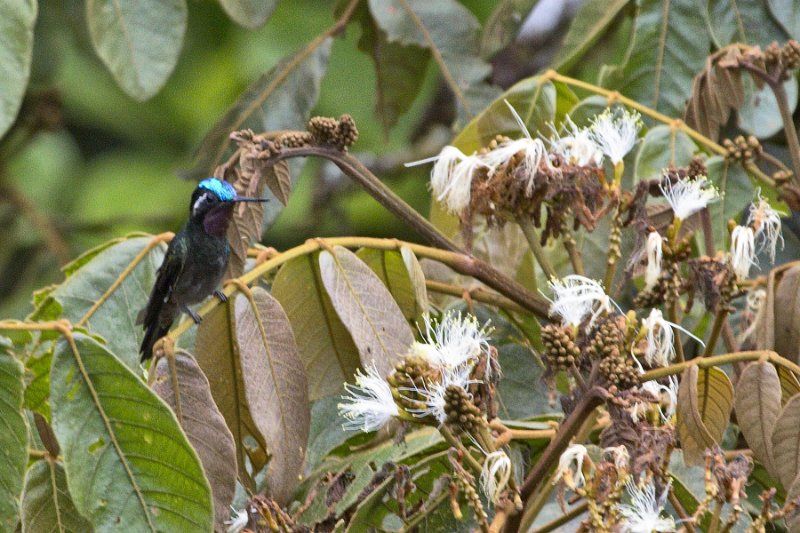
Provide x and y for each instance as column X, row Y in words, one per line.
column 250, row 199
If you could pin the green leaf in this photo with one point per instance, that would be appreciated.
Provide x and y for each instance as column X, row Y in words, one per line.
column 399, row 71
column 275, row 387
column 217, row 353
column 451, row 32
column 661, row 147
column 138, row 41
column 388, row 265
column 669, row 47
column 521, row 393
column 126, row 458
column 115, row 319
column 325, row 432
column 705, row 400
column 13, row 437
column 787, row 15
column 744, row 21
column 366, row 308
column 47, row 504
column 280, row 99
column 591, row 22
column 17, row 18
column 37, row 382
column 736, row 193
column 251, row 14
column 760, row 114
column 329, row 356
column 503, row 25
column 188, row 394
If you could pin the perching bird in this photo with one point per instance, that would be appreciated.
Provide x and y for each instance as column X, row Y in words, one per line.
column 195, row 261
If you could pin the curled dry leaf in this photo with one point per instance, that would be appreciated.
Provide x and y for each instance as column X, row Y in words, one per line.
column 716, row 91
column 366, row 308
column 275, row 387
column 705, row 401
column 758, row 404
column 188, row 393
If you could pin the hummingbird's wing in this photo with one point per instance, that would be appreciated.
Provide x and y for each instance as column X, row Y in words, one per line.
column 167, row 276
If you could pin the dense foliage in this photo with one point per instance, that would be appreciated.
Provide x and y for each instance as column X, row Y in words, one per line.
column 594, row 329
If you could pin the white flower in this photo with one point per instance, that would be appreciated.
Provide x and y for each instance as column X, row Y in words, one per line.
column 643, row 514
column 688, row 196
column 495, row 474
column 369, row 405
column 666, row 395
column 577, row 147
column 451, row 177
column 534, row 153
column 433, row 393
column 615, row 132
column 575, row 454
column 619, row 455
column 576, row 296
column 751, row 316
column 238, row 521
column 766, row 222
column 454, row 341
column 743, row 251
column 660, row 339
column 654, row 257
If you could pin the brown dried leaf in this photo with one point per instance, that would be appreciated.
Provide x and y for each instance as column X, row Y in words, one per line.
column 786, row 442
column 417, row 279
column 705, row 400
column 790, row 386
column 275, row 387
column 218, row 356
column 248, row 217
column 787, row 314
column 366, row 308
column 204, row 426
column 716, row 92
column 758, row 404
column 329, row 356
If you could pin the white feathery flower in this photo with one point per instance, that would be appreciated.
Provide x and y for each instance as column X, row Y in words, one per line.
column 577, row 147
column 754, row 306
column 433, row 393
column 654, row 258
column 451, row 177
column 666, row 395
column 576, row 296
column 495, row 474
column 743, row 251
column 369, row 404
column 766, row 223
column 616, row 132
column 453, row 341
column 688, row 196
column 574, row 455
column 643, row 514
column 238, row 521
column 660, row 339
column 534, row 153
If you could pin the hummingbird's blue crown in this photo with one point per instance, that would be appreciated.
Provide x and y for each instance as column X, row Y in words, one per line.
column 224, row 190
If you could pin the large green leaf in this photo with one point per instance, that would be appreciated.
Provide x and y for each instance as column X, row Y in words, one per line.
column 47, row 504
column 138, row 41
column 669, row 47
column 126, row 458
column 13, row 437
column 279, row 99
column 249, row 13
column 17, row 18
column 786, row 13
column 388, row 265
column 451, row 32
column 115, row 319
column 329, row 356
column 188, row 394
column 760, row 114
column 367, row 309
column 521, row 392
column 744, row 21
column 503, row 25
column 591, row 22
column 662, row 146
column 736, row 193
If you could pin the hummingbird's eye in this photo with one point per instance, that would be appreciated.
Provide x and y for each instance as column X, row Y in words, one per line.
column 203, row 201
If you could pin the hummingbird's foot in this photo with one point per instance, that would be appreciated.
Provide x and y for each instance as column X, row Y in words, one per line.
column 197, row 318
column 221, row 295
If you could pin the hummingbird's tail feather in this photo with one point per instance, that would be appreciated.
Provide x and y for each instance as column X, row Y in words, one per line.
column 154, row 331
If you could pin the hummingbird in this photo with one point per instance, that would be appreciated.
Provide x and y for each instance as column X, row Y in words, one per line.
column 195, row 261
